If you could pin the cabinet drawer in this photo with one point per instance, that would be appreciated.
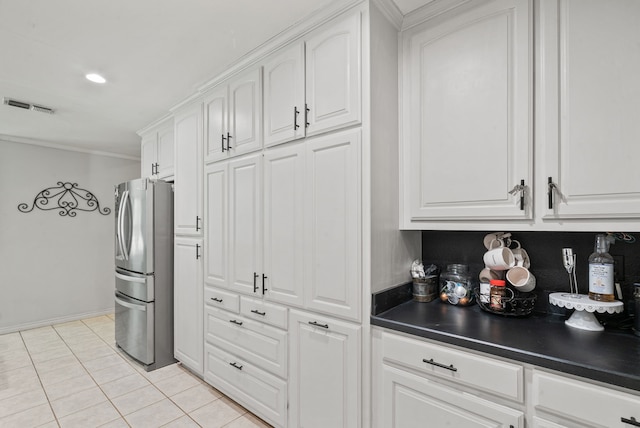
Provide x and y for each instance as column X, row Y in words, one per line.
column 264, row 311
column 583, row 402
column 410, row 400
column 260, row 344
column 497, row 377
column 222, row 299
column 262, row 393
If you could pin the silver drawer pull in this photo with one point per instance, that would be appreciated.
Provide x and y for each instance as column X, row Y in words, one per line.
column 236, row 322
column 433, row 363
column 631, row 421
column 257, row 312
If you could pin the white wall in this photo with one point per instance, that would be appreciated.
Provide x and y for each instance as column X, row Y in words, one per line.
column 55, row 268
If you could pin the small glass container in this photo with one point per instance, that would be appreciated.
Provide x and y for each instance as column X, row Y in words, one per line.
column 456, row 286
column 498, row 294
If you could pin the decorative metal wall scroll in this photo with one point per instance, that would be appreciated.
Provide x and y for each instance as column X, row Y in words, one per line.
column 67, row 197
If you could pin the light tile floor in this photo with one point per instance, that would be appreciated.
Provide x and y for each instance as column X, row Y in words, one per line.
column 73, row 375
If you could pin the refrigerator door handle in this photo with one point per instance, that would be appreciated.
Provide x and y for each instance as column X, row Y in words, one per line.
column 130, row 278
column 125, row 203
column 135, row 306
column 120, row 256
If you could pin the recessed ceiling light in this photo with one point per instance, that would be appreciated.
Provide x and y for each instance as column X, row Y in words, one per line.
column 95, row 78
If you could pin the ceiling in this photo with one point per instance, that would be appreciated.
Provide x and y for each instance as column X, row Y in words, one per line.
column 153, row 53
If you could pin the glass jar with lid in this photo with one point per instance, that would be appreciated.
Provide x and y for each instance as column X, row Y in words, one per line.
column 456, row 285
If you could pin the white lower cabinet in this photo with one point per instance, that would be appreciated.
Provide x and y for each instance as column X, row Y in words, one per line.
column 262, row 393
column 246, row 358
column 410, row 400
column 188, row 290
column 324, row 372
column 415, row 380
column 571, row 403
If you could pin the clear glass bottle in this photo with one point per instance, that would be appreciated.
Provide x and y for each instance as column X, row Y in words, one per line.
column 456, row 285
column 601, row 272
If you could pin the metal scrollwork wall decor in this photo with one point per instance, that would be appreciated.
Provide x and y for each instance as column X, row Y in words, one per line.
column 67, row 197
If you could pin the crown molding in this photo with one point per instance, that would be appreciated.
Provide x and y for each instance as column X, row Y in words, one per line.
column 432, row 10
column 69, row 148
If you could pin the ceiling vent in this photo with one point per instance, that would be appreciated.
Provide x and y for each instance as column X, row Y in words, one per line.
column 27, row 106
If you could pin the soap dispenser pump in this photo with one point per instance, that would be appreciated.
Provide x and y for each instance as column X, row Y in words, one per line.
column 601, row 272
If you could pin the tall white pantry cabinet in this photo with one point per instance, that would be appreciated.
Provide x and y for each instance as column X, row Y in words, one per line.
column 286, row 218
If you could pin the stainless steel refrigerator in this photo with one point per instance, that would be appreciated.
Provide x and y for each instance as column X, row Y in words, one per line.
column 144, row 271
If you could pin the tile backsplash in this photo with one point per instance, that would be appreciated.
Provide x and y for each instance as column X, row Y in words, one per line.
column 545, row 251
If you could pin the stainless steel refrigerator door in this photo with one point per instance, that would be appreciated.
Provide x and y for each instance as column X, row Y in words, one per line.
column 134, row 328
column 135, row 285
column 134, row 226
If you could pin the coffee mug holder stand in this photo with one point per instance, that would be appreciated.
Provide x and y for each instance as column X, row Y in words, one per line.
column 584, row 318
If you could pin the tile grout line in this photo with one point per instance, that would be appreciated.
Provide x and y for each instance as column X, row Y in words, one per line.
column 55, row 417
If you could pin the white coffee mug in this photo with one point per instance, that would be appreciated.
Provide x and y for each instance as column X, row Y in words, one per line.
column 498, row 259
column 521, row 279
column 499, row 237
column 487, row 275
column 521, row 256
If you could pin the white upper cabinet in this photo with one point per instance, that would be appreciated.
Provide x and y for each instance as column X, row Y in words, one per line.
column 314, row 85
column 284, row 101
column 188, row 178
column 233, row 116
column 216, row 112
column 158, row 151
column 332, row 69
column 589, row 104
column 467, row 115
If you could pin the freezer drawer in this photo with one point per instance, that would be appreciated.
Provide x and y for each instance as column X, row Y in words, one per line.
column 134, row 328
column 135, row 285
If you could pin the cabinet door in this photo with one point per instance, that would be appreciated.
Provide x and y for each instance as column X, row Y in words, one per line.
column 245, row 245
column 165, row 167
column 467, row 97
column 333, row 83
column 332, row 225
column 283, row 224
column 148, row 155
column 589, row 104
column 408, row 401
column 216, row 238
column 188, row 305
column 188, row 171
column 284, row 96
column 215, row 124
column 324, row 372
column 245, row 120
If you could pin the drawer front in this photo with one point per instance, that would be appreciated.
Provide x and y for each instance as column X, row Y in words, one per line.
column 222, row 299
column 483, row 373
column 260, row 344
column 264, row 311
column 262, row 393
column 408, row 399
column 584, row 402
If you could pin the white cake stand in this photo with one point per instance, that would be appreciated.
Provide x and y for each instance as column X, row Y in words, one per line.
column 583, row 317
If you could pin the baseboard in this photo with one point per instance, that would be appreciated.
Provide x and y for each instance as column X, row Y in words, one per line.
column 52, row 321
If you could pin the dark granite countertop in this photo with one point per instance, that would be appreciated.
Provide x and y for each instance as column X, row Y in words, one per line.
column 610, row 356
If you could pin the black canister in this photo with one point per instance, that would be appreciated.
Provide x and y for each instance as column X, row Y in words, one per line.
column 636, row 319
